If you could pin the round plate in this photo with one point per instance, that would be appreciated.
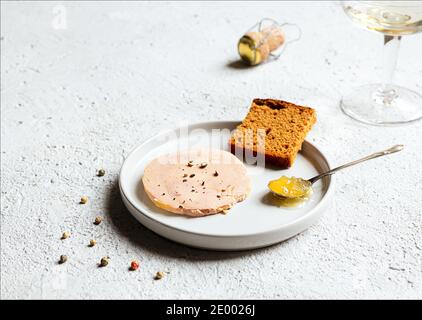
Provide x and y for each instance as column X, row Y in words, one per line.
column 253, row 223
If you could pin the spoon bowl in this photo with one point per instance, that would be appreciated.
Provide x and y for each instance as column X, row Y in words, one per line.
column 290, row 187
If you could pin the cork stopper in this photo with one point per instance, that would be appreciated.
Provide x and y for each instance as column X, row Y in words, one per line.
column 255, row 47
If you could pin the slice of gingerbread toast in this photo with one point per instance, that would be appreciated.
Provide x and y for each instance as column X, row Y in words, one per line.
column 281, row 125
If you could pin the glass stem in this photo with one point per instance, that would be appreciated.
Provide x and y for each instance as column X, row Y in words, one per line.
column 386, row 94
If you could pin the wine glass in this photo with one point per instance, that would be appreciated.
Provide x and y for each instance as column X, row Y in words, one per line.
column 385, row 103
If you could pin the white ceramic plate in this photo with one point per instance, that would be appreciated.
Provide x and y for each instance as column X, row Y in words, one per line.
column 253, row 223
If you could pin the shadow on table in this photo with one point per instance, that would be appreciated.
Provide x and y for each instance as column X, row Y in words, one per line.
column 127, row 226
column 238, row 64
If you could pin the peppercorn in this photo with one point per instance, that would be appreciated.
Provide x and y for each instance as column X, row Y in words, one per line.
column 92, row 243
column 104, row 261
column 84, row 199
column 65, row 235
column 159, row 275
column 134, row 265
column 98, row 220
column 63, row 259
column 203, row 165
column 100, row 172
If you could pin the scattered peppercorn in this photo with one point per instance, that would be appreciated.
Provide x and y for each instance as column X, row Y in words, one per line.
column 184, row 180
column 92, row 243
column 65, row 235
column 203, row 165
column 84, row 199
column 104, row 261
column 190, row 164
column 100, row 172
column 63, row 259
column 203, row 182
column 192, row 175
column 98, row 220
column 134, row 265
column 159, row 275
column 216, row 174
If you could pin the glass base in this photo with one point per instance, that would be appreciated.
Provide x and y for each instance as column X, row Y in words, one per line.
column 378, row 105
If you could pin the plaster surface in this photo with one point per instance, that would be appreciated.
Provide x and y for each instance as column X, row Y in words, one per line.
column 84, row 83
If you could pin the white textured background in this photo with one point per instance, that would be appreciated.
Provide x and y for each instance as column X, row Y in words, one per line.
column 79, row 96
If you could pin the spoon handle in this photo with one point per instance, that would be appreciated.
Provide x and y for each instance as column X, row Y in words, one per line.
column 394, row 149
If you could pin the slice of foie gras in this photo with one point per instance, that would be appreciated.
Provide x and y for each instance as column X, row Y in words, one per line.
column 196, row 182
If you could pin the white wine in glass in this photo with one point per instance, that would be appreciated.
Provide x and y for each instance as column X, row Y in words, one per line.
column 385, row 103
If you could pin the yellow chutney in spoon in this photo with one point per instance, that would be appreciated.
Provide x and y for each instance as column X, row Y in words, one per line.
column 292, row 191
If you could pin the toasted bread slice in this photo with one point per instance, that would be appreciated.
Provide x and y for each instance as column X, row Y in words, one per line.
column 283, row 125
